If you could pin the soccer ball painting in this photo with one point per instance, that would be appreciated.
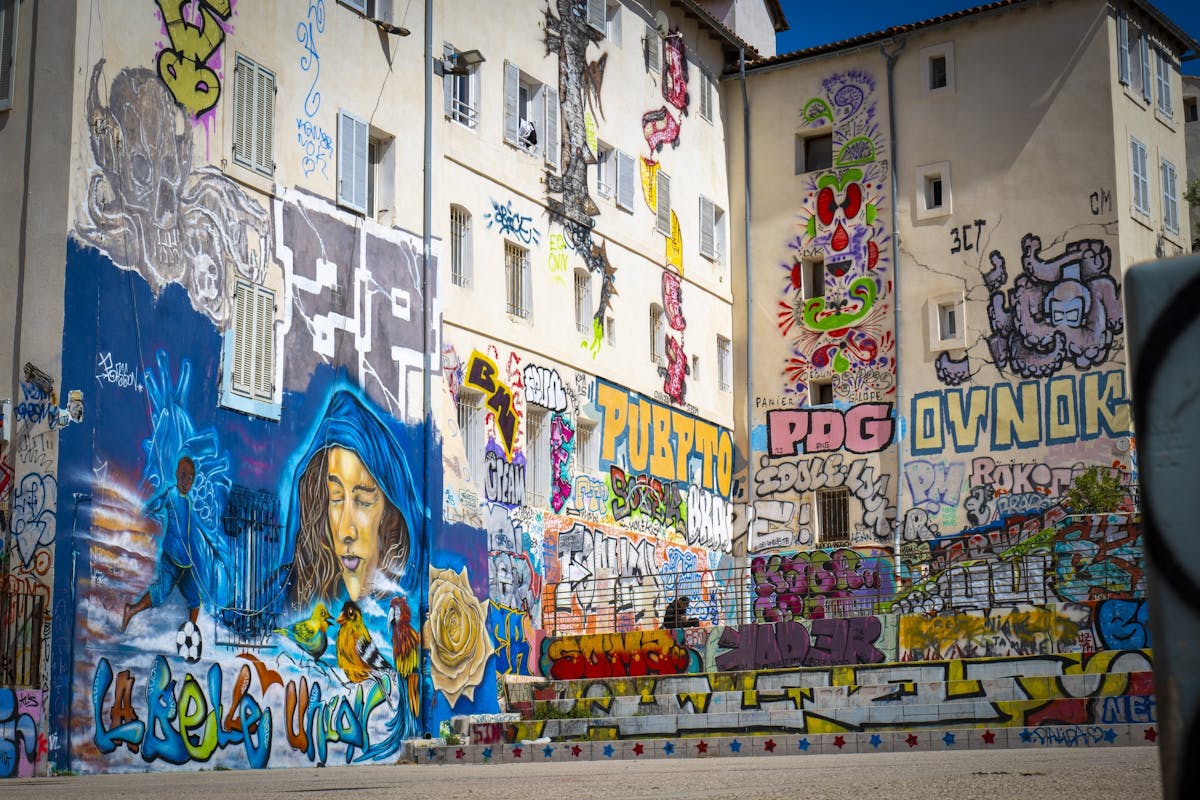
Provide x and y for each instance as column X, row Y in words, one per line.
column 188, row 642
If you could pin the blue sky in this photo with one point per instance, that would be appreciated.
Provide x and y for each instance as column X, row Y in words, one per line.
column 815, row 22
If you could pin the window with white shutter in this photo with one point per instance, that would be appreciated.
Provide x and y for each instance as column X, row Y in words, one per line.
column 613, row 29
column 460, row 92
column 1162, row 72
column 8, row 52
column 253, row 367
column 662, row 222
column 658, row 334
column 724, row 363
column 706, row 95
column 353, row 141
column 512, row 89
column 1144, row 59
column 254, row 116
column 625, row 180
column 653, row 45
column 596, row 14
column 518, row 291
column 1140, row 178
column 553, row 132
column 460, row 246
column 1122, row 48
column 537, row 457
column 1170, row 198
column 707, row 232
column 470, row 413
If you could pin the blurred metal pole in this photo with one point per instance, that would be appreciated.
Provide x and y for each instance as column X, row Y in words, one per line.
column 1162, row 301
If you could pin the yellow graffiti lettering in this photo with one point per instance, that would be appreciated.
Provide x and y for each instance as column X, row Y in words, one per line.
column 684, row 428
column 649, row 173
column 927, row 424
column 640, row 420
column 1061, row 416
column 724, row 465
column 967, row 419
column 706, row 441
column 674, row 256
column 183, row 66
column 197, row 721
column 615, row 403
column 662, row 458
column 1105, row 404
column 1020, row 422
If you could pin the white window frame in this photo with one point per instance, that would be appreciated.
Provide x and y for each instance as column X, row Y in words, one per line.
column 940, row 307
column 518, row 288
column 724, row 364
column 461, row 247
column 606, row 169
column 652, row 50
column 353, row 162
column 1144, row 59
column 944, row 51
column 803, row 138
column 249, row 364
column 540, row 110
column 712, row 230
column 537, row 456
column 626, row 181
column 812, row 276
column 658, row 334
column 1124, row 74
column 469, row 412
column 357, row 5
column 597, row 15
column 1170, row 196
column 587, row 451
column 926, row 176
column 9, row 17
column 707, row 92
column 1162, row 74
column 458, row 108
column 816, row 388
column 612, row 23
column 662, row 199
column 610, row 330
column 253, row 116
column 583, row 300
column 1139, row 173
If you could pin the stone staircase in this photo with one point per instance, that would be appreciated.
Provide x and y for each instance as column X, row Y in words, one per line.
column 1101, row 699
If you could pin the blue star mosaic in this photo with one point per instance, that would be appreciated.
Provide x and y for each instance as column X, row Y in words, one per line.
column 803, row 745
column 487, row 752
column 1110, row 735
column 548, row 751
column 875, row 740
column 1026, row 736
column 669, row 748
column 735, row 746
column 432, row 753
column 608, row 751
column 948, row 738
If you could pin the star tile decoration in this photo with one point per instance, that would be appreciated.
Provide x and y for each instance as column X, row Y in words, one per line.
column 548, row 751
column 608, row 751
column 875, row 740
column 1026, row 736
column 912, row 740
column 669, row 748
column 460, row 754
column 839, row 742
column 702, row 747
column 638, row 749
column 803, row 744
column 576, row 750
column 431, row 753
column 1151, row 734
column 988, row 737
column 769, row 745
column 516, row 751
column 487, row 753
column 1110, row 735
column 948, row 739
column 735, row 746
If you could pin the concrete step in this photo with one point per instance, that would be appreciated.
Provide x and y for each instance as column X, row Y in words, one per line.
column 796, row 744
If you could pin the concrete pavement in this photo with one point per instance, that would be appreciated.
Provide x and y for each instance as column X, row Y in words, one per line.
column 1123, row 773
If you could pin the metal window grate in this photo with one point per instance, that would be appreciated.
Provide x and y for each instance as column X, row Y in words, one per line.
column 469, row 408
column 833, row 516
column 460, row 246
column 21, row 639
column 516, row 269
column 537, row 455
column 251, row 521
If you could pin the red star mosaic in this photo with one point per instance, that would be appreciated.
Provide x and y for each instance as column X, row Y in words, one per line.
column 1151, row 734
column 912, row 740
column 839, row 742
column 516, row 752
column 769, row 745
column 638, row 749
column 576, row 750
column 988, row 737
column 702, row 747
column 459, row 754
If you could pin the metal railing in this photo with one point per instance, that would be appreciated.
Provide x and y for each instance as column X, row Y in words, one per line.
column 21, row 617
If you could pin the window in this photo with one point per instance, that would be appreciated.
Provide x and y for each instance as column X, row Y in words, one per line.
column 820, row 392
column 662, row 195
column 1140, row 176
column 712, row 230
column 724, row 364
column 8, row 52
column 812, row 277
column 460, row 93
column 707, row 87
column 626, row 179
column 695, row 368
column 606, row 169
column 947, row 322
column 933, row 190
column 597, row 14
column 469, row 407
column 610, row 330
column 358, row 5
column 612, row 23
column 813, row 153
column 1190, row 113
column 583, row 301
column 1170, row 198
column 937, row 72
column 531, row 115
column 658, row 335
column 537, row 457
column 253, row 116
column 364, row 179
column 653, row 49
column 253, row 342
column 1144, row 60
column 1162, row 73
column 460, row 246
column 517, row 280
column 1123, row 48
column 937, row 69
column 833, row 516
column 586, row 453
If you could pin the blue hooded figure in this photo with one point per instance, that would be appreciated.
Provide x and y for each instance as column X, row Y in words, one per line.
column 355, row 512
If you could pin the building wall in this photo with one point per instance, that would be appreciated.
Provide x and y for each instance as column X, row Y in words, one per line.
column 1191, row 89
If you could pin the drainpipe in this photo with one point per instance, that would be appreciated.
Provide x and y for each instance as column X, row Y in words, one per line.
column 892, row 57
column 426, row 392
column 750, row 465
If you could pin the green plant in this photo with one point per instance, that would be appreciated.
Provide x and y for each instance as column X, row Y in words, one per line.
column 451, row 738
column 547, row 710
column 1192, row 194
column 1095, row 490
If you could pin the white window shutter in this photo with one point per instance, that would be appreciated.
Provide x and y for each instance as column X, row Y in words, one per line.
column 596, row 13
column 264, row 344
column 1122, row 47
column 653, row 49
column 663, row 191
column 352, row 162
column 8, row 52
column 512, row 88
column 265, row 121
column 707, row 228
column 625, row 180
column 243, row 103
column 447, row 83
column 242, row 327
column 553, row 133
column 526, row 285
column 1144, row 55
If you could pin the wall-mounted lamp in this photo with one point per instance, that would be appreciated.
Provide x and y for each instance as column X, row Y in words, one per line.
column 387, row 27
column 457, row 63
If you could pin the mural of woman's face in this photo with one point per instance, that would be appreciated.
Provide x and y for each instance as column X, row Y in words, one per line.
column 356, row 506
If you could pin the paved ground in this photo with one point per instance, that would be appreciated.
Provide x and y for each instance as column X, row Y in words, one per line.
column 1120, row 773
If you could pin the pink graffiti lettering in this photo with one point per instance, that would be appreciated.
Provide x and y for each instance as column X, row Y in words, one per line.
column 865, row 428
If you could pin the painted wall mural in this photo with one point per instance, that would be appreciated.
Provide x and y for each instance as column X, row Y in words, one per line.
column 188, row 65
column 315, row 144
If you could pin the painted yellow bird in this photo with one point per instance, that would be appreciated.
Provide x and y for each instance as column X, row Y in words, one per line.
column 357, row 653
column 406, row 650
column 310, row 635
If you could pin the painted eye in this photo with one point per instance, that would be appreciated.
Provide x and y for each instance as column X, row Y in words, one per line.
column 826, row 206
column 853, row 202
